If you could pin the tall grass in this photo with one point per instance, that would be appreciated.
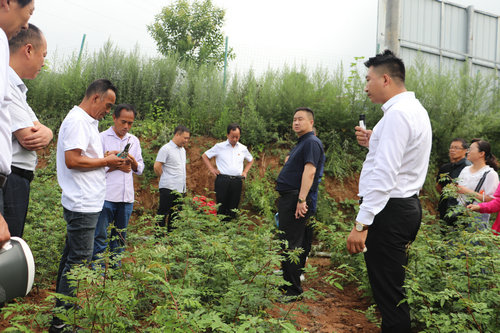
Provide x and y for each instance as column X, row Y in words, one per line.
column 458, row 104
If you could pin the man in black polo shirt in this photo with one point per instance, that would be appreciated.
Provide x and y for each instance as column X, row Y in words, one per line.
column 295, row 183
column 456, row 152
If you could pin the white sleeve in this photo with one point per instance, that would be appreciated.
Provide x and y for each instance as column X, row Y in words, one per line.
column 490, row 183
column 393, row 141
column 214, row 151
column 162, row 155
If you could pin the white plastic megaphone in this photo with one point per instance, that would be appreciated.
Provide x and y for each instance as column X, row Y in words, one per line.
column 17, row 269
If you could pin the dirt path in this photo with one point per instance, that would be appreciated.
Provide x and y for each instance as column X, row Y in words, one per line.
column 339, row 311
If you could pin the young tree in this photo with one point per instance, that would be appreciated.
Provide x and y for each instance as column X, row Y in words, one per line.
column 193, row 31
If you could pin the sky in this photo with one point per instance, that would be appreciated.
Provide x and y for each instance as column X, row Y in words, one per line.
column 263, row 33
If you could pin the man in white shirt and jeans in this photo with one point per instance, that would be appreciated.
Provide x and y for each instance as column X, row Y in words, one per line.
column 170, row 166
column 81, row 176
column 393, row 173
column 27, row 55
column 229, row 158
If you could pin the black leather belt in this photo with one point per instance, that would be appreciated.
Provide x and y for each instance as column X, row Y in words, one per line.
column 230, row 177
column 3, row 180
column 26, row 174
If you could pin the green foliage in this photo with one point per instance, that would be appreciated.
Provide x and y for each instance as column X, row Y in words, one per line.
column 205, row 276
column 261, row 195
column 191, row 30
column 452, row 279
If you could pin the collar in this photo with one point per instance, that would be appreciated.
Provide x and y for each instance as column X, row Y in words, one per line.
column 229, row 144
column 111, row 132
column 173, row 144
column 462, row 161
column 396, row 98
column 303, row 137
column 16, row 80
column 86, row 116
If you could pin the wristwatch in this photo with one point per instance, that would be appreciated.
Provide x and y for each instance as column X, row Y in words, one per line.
column 302, row 200
column 361, row 227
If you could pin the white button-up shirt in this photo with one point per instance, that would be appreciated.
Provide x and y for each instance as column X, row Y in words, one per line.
column 5, row 132
column 83, row 190
column 119, row 184
column 398, row 157
column 21, row 116
column 229, row 159
column 173, row 159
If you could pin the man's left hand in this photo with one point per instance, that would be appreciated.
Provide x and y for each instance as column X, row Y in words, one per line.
column 356, row 241
column 301, row 210
column 41, row 137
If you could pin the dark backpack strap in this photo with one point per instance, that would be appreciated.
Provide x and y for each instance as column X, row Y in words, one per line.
column 481, row 181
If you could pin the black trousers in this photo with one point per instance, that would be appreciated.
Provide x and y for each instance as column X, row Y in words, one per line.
column 298, row 233
column 388, row 240
column 227, row 194
column 16, row 194
column 168, row 208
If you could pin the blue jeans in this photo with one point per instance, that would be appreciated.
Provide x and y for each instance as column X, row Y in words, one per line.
column 119, row 213
column 78, row 248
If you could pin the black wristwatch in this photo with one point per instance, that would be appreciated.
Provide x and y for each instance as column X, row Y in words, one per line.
column 301, row 200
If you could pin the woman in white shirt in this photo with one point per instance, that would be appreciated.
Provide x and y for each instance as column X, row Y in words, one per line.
column 483, row 163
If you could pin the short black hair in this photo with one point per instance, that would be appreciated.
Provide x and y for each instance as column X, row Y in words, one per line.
column 124, row 106
column 393, row 65
column 462, row 141
column 23, row 3
column 100, row 87
column 306, row 109
column 181, row 129
column 233, row 127
column 32, row 36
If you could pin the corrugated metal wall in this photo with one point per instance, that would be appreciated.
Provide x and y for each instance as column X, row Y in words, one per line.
column 444, row 34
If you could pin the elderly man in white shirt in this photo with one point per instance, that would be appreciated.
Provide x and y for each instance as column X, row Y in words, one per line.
column 170, row 166
column 393, row 173
column 27, row 55
column 14, row 16
column 81, row 176
column 229, row 158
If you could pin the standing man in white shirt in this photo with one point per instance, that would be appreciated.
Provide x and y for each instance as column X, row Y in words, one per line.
column 119, row 181
column 14, row 16
column 170, row 166
column 393, row 173
column 82, row 177
column 229, row 158
column 27, row 55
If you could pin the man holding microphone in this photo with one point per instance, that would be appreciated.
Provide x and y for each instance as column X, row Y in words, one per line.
column 393, row 173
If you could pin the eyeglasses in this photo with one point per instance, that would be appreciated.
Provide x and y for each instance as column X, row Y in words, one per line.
column 455, row 148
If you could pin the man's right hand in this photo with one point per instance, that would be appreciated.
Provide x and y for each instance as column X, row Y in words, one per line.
column 363, row 136
column 4, row 231
column 114, row 161
column 215, row 172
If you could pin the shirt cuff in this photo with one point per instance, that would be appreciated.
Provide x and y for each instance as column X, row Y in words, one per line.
column 365, row 217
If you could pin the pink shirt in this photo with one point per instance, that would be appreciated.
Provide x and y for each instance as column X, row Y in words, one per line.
column 119, row 184
column 492, row 206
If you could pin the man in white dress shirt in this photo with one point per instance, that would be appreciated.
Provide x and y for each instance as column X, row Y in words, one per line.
column 229, row 158
column 27, row 55
column 393, row 173
column 170, row 166
column 14, row 16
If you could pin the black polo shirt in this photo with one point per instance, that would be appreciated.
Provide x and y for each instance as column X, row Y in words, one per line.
column 309, row 149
